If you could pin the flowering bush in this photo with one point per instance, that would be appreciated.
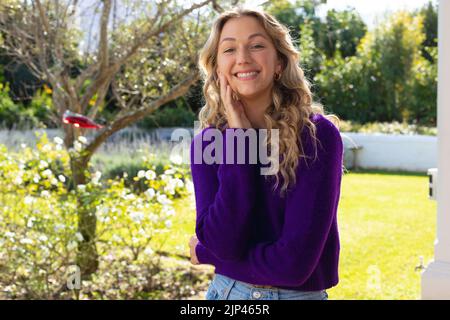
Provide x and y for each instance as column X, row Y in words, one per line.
column 38, row 225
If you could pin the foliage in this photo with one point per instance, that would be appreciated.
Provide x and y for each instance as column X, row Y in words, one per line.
column 343, row 31
column 387, row 128
column 178, row 116
column 388, row 79
column 15, row 115
column 39, row 237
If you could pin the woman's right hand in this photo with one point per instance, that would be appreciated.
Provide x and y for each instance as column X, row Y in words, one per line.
column 234, row 109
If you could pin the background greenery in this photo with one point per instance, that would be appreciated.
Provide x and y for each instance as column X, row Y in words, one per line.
column 364, row 76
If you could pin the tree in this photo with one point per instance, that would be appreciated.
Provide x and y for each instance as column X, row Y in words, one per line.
column 387, row 79
column 342, row 32
column 145, row 51
column 294, row 15
column 430, row 25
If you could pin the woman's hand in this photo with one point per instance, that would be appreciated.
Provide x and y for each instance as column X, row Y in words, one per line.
column 192, row 244
column 234, row 109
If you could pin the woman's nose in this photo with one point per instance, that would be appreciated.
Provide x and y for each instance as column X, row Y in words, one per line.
column 243, row 56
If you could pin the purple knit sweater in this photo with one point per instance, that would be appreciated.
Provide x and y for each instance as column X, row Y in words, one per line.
column 251, row 234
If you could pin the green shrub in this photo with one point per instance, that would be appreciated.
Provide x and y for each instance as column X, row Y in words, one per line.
column 15, row 115
column 38, row 226
column 179, row 115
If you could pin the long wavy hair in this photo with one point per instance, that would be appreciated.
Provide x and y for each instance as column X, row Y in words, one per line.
column 292, row 99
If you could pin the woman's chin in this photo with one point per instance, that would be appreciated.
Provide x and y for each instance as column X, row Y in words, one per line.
column 250, row 94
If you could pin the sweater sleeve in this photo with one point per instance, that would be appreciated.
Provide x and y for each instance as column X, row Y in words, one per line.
column 205, row 256
column 309, row 213
column 224, row 195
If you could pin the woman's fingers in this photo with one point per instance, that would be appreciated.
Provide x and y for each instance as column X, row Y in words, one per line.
column 233, row 108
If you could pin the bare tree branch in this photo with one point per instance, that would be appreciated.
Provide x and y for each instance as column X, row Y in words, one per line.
column 133, row 116
column 106, row 75
column 103, row 45
column 152, row 33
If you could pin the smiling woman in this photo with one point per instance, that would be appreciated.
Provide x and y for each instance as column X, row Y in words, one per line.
column 269, row 237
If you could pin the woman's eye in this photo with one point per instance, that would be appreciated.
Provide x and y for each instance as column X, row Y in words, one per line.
column 255, row 46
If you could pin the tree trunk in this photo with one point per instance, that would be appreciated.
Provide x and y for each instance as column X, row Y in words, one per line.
column 87, row 257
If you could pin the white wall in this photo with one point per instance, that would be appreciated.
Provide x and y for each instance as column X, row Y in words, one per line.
column 392, row 152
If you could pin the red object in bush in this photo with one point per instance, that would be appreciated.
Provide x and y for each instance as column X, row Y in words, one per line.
column 79, row 121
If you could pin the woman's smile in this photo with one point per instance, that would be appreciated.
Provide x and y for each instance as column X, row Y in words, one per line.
column 247, row 76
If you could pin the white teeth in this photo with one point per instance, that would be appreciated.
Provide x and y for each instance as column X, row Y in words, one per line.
column 246, row 75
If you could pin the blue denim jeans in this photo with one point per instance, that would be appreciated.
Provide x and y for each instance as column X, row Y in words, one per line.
column 225, row 288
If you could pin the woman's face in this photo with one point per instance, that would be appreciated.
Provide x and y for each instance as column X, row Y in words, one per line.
column 245, row 47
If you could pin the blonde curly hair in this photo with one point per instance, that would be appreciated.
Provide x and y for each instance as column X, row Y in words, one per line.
column 292, row 99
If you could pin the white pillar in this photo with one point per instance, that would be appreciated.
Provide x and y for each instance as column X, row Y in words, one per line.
column 436, row 277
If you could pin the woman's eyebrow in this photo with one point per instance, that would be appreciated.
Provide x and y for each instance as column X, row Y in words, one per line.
column 249, row 37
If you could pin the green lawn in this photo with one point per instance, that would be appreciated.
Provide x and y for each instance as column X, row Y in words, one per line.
column 386, row 223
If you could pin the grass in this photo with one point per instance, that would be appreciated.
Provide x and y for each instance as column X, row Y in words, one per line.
column 386, row 224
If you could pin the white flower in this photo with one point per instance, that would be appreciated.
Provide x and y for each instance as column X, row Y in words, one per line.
column 148, row 251
column 62, row 178
column 141, row 174
column 72, row 245
column 23, row 145
column 168, row 224
column 150, row 193
column 47, row 173
column 116, row 238
column 150, row 175
column 162, row 198
column 82, row 139
column 46, row 148
column 26, row 241
column 189, row 186
column 81, row 187
column 18, row 180
column 130, row 196
column 153, row 217
column 9, row 234
column 96, row 177
column 169, row 171
column 30, row 222
column 45, row 194
column 59, row 227
column 178, row 183
column 78, row 147
column 137, row 216
column 43, row 238
column 170, row 189
column 29, row 200
column 58, row 140
column 43, row 164
column 176, row 159
column 169, row 212
column 79, row 236
column 135, row 240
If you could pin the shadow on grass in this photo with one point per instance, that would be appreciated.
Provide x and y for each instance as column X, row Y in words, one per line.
column 386, row 172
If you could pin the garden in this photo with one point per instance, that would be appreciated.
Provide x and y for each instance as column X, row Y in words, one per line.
column 86, row 215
